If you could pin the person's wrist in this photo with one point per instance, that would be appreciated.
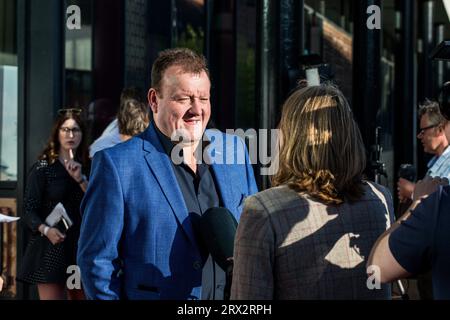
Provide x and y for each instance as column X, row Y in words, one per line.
column 41, row 227
column 44, row 230
column 83, row 179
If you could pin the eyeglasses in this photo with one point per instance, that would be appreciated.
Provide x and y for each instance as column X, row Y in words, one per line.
column 422, row 130
column 67, row 131
column 75, row 111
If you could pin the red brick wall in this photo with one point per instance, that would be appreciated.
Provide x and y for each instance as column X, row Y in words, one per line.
column 337, row 51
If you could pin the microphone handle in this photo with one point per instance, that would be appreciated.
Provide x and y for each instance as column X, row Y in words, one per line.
column 404, row 295
column 228, row 281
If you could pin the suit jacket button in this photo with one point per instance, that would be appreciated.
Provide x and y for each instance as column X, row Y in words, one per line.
column 197, row 265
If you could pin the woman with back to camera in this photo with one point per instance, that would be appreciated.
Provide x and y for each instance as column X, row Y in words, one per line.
column 56, row 178
column 310, row 235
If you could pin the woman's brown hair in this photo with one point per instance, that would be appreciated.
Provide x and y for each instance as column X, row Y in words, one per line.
column 50, row 152
column 321, row 149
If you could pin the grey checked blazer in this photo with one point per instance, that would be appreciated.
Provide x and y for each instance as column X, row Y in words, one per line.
column 289, row 246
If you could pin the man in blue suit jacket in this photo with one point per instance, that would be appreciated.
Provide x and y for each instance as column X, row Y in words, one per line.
column 138, row 237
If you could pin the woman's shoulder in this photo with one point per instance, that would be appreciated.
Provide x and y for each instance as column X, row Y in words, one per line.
column 274, row 193
column 375, row 190
column 279, row 197
column 40, row 165
column 43, row 167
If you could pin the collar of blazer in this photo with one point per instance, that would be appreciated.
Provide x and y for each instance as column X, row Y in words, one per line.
column 160, row 166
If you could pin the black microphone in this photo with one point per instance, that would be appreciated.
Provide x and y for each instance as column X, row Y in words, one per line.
column 217, row 229
column 408, row 172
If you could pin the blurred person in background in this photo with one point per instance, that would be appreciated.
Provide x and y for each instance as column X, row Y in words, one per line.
column 434, row 141
column 132, row 119
column 111, row 136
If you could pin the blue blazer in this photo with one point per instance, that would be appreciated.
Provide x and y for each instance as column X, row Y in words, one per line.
column 137, row 241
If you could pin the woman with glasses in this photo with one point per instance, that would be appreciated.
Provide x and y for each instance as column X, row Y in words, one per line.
column 58, row 177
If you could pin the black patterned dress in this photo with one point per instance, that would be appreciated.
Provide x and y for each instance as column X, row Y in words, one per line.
column 43, row 262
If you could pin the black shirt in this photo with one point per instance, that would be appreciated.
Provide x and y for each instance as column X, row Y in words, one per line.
column 199, row 193
column 422, row 242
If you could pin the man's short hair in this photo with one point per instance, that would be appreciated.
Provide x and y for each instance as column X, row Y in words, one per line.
column 186, row 59
column 432, row 109
column 133, row 117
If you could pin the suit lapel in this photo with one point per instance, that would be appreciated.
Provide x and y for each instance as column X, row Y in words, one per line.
column 221, row 148
column 221, row 174
column 161, row 167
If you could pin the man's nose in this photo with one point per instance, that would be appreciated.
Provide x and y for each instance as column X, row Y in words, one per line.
column 196, row 107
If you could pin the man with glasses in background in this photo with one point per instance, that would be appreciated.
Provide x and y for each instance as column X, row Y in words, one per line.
column 434, row 141
column 420, row 240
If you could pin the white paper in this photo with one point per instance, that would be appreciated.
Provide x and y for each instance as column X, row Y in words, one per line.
column 313, row 77
column 7, row 219
column 55, row 216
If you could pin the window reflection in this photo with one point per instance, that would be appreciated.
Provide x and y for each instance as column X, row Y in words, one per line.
column 78, row 58
column 190, row 17
column 8, row 252
column 245, row 64
column 8, row 91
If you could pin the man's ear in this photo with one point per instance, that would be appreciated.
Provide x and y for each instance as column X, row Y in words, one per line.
column 152, row 100
column 442, row 129
column 447, row 130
